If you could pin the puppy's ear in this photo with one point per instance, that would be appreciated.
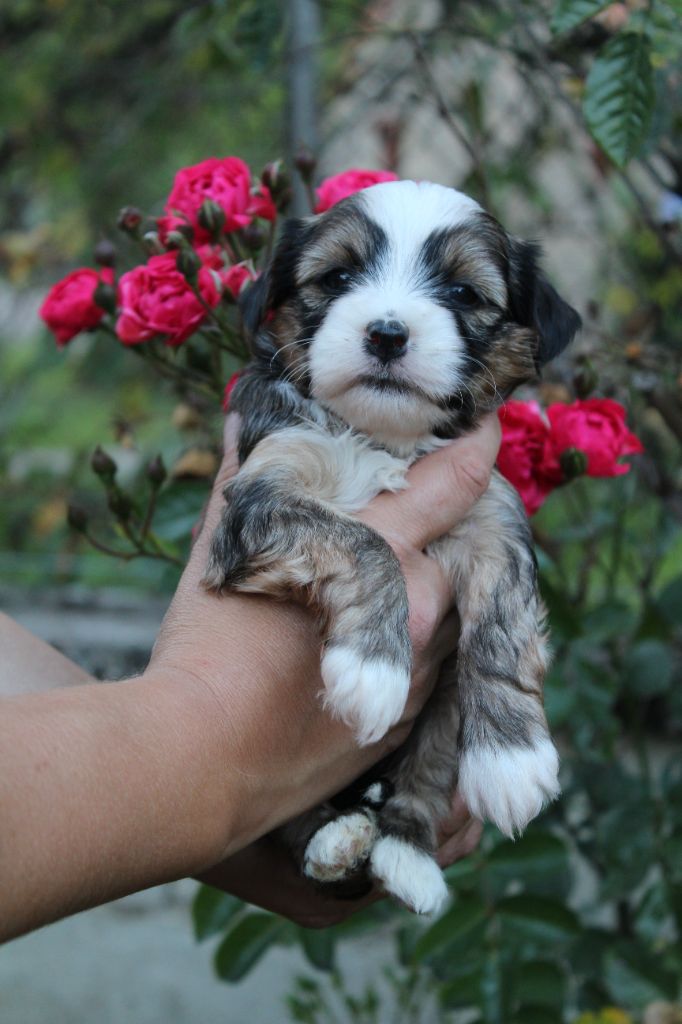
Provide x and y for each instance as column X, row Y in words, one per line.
column 277, row 282
column 253, row 303
column 535, row 303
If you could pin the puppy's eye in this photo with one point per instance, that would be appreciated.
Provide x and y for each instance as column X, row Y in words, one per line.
column 336, row 281
column 464, row 296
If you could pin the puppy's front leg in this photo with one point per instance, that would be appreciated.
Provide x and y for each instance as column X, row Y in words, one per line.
column 508, row 764
column 274, row 538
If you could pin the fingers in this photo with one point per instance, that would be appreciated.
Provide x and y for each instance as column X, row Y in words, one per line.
column 460, row 834
column 442, row 488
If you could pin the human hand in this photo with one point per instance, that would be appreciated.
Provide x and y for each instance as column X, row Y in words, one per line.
column 259, row 659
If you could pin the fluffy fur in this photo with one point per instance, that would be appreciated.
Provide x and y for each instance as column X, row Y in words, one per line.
column 384, row 327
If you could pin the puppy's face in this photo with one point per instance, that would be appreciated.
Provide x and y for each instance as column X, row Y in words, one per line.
column 406, row 309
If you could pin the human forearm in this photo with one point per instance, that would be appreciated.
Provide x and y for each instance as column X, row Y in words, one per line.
column 103, row 790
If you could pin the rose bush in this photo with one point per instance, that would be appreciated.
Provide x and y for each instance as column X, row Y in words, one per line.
column 70, row 308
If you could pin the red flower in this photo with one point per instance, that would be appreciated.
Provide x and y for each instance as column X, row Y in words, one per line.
column 334, row 189
column 262, row 205
column 69, row 307
column 237, row 277
column 226, row 182
column 156, row 298
column 596, row 426
column 525, row 457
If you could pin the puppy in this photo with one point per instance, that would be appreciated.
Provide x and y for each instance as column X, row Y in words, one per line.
column 382, row 329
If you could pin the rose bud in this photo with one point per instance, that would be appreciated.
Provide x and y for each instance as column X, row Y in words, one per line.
column 253, row 237
column 188, row 263
column 305, row 161
column 104, row 296
column 120, row 504
column 211, row 218
column 77, row 518
column 103, row 465
column 573, row 463
column 156, row 471
column 152, row 243
column 585, row 378
column 276, row 179
column 129, row 220
column 105, row 253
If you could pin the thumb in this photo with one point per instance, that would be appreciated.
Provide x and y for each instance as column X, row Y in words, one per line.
column 442, row 488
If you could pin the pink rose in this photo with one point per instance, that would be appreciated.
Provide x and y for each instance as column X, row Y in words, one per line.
column 226, row 182
column 69, row 307
column 237, row 277
column 525, row 457
column 262, row 204
column 597, row 427
column 334, row 189
column 155, row 298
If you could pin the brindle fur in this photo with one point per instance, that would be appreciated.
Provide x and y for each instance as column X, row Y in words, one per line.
column 288, row 527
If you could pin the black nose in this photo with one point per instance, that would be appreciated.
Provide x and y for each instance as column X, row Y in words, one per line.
column 387, row 339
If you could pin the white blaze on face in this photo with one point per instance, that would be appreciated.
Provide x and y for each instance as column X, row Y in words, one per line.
column 408, row 212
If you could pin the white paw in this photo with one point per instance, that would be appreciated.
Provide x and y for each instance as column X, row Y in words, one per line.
column 368, row 695
column 339, row 847
column 509, row 786
column 409, row 874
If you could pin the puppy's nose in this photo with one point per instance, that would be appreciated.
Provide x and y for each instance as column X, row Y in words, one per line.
column 387, row 339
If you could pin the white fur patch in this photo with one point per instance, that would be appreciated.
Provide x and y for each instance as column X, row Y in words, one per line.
column 509, row 786
column 409, row 874
column 369, row 695
column 339, row 847
column 342, row 469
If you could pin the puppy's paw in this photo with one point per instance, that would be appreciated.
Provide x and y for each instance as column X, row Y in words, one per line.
column 369, row 695
column 339, row 847
column 409, row 874
column 509, row 785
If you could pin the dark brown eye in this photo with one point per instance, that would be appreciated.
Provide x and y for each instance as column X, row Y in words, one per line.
column 336, row 281
column 464, row 296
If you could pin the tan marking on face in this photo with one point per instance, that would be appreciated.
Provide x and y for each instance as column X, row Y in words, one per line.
column 341, row 239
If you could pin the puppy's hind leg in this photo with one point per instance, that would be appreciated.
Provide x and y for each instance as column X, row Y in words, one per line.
column 403, row 858
column 508, row 765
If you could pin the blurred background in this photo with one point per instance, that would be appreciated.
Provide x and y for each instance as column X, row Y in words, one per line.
column 562, row 118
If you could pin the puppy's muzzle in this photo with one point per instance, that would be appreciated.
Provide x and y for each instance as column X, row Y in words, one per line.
column 386, row 339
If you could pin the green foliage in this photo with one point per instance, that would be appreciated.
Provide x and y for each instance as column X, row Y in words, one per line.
column 568, row 14
column 619, row 96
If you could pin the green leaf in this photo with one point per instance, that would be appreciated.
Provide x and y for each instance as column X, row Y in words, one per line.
column 534, row 1015
column 569, row 14
column 539, row 983
column 669, row 602
column 619, row 96
column 460, row 919
column 634, row 977
column 539, row 918
column 245, row 944
column 179, row 509
column 538, row 861
column 649, row 668
column 318, row 945
column 464, row 991
column 212, row 910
